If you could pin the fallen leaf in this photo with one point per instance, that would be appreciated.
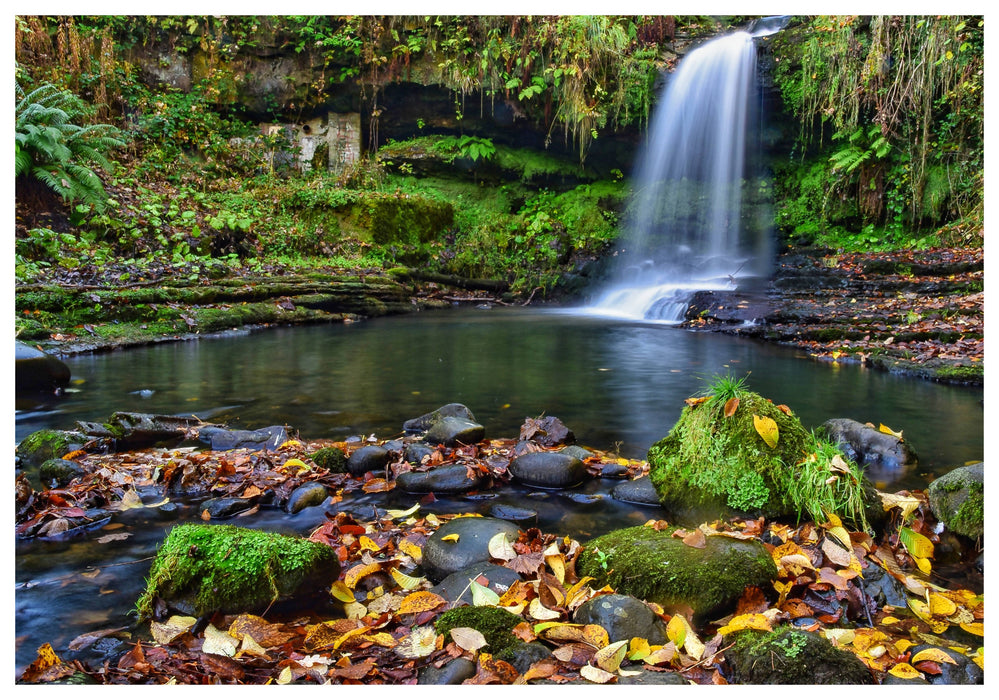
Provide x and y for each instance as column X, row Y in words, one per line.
column 609, row 658
column 468, row 638
column 176, row 625
column 596, row 675
column 731, row 406
column 420, row 642
column 420, row 601
column 500, row 547
column 482, row 595
column 218, row 642
column 767, row 429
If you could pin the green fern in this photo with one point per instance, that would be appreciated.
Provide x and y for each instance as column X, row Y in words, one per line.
column 53, row 149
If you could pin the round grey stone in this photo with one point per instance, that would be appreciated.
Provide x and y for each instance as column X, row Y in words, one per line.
column 369, row 458
column 623, row 616
column 443, row 557
column 550, row 470
column 450, row 479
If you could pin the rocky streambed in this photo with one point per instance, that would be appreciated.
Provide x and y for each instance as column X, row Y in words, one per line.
column 546, row 605
column 915, row 312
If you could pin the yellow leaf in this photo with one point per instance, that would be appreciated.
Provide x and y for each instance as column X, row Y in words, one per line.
column 610, row 657
column 166, row 632
column 382, row 639
column 481, row 595
column 904, row 670
column 420, row 601
column 595, row 635
column 409, row 547
column 295, row 463
column 888, row 431
column 749, row 621
column 341, row 592
column 405, row 581
column 907, row 504
column 676, row 630
column 638, row 649
column 942, row 606
column 289, row 443
column 767, row 428
column 356, row 573
column 916, row 544
column 557, row 564
column 397, row 514
column 354, row 611
column 285, row 677
column 976, row 628
column 840, row 636
column 664, row 654
column 696, row 400
column 450, row 538
column 933, row 654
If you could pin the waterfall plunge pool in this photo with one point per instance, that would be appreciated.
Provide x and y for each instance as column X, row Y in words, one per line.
column 618, row 385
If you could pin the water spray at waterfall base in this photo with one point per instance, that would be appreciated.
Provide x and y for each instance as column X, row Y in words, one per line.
column 699, row 217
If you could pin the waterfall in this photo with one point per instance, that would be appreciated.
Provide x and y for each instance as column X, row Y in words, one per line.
column 697, row 219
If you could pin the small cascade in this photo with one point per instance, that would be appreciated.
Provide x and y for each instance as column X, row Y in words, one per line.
column 698, row 218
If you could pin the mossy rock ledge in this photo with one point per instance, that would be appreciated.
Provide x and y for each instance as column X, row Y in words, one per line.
column 712, row 465
column 655, row 566
column 201, row 569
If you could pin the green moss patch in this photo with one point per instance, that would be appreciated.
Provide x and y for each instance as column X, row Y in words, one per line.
column 222, row 568
column 788, row 656
column 655, row 566
column 494, row 624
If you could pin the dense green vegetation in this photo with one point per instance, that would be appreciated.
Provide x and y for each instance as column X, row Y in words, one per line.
column 890, row 150
column 125, row 172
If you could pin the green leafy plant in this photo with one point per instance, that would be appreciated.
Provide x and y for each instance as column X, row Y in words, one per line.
column 53, row 148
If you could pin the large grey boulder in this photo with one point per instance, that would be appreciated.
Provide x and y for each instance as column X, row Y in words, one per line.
column 958, row 500
column 550, row 470
column 37, row 371
column 867, row 445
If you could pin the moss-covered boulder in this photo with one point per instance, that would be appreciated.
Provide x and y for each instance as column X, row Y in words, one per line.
column 788, row 656
column 735, row 453
column 958, row 500
column 222, row 568
column 655, row 566
column 43, row 445
column 494, row 624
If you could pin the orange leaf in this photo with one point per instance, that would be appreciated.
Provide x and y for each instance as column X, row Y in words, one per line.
column 75, row 454
column 696, row 539
column 696, row 400
column 730, row 406
column 420, row 601
column 784, row 409
column 356, row 573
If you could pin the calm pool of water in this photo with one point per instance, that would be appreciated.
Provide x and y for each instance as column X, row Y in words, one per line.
column 617, row 385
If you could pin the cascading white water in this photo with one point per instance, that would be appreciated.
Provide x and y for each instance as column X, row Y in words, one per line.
column 693, row 222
